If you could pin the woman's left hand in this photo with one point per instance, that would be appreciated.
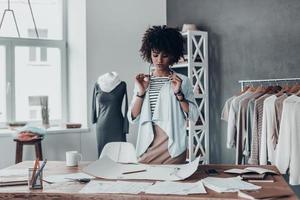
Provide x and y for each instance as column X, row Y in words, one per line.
column 176, row 82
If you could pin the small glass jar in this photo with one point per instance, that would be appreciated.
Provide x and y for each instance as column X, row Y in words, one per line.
column 35, row 178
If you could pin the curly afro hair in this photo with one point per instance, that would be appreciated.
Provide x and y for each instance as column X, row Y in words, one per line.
column 162, row 39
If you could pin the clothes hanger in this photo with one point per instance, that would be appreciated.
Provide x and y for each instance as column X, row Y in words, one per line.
column 298, row 92
column 267, row 90
column 246, row 88
column 294, row 88
column 270, row 89
column 298, row 86
column 252, row 88
column 275, row 89
column 260, row 89
column 284, row 89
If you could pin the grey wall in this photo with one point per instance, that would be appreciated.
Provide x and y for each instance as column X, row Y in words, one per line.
column 114, row 33
column 255, row 39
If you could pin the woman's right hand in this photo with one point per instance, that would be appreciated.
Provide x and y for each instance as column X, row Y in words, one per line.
column 142, row 81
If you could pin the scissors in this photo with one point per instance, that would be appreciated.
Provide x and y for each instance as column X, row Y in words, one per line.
column 80, row 180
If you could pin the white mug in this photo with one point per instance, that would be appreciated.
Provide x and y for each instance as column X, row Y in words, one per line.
column 72, row 158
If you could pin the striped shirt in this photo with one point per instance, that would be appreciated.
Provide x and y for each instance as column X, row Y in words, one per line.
column 156, row 84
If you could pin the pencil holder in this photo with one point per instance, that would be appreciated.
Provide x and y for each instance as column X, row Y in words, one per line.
column 35, row 179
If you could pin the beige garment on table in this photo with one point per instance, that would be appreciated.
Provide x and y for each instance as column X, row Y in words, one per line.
column 158, row 153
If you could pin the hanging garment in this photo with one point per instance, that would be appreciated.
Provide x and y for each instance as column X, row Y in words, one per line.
column 225, row 110
column 256, row 129
column 249, row 123
column 269, row 127
column 278, row 111
column 232, row 120
column 254, row 123
column 287, row 150
column 242, row 136
column 112, row 125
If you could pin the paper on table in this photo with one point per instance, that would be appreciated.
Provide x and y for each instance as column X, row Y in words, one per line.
column 258, row 170
column 107, row 168
column 168, row 187
column 7, row 175
column 115, row 187
column 66, row 177
column 13, row 172
column 232, row 184
column 236, row 171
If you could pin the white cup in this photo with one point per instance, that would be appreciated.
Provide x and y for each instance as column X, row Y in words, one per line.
column 72, row 158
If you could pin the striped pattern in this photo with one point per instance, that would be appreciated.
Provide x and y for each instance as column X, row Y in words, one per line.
column 156, row 84
column 257, row 129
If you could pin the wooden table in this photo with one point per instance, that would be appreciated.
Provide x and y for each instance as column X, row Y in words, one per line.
column 70, row 190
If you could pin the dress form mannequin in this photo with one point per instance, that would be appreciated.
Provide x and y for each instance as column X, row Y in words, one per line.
column 111, row 123
column 107, row 82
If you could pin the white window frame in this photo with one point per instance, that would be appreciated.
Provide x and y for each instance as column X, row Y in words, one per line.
column 10, row 43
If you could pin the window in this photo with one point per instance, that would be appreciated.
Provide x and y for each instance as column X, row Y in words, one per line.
column 37, row 80
column 43, row 33
column 48, row 14
column 2, row 85
column 33, row 69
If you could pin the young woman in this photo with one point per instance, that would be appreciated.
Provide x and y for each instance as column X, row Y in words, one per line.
column 162, row 100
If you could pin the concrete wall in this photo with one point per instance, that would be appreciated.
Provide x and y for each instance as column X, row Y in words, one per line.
column 256, row 39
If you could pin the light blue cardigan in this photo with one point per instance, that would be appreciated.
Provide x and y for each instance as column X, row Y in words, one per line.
column 168, row 115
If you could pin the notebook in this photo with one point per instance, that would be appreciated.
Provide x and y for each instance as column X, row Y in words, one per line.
column 10, row 177
column 13, row 183
column 253, row 176
column 257, row 170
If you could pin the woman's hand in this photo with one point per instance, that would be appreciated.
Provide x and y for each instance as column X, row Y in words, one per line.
column 176, row 82
column 142, row 81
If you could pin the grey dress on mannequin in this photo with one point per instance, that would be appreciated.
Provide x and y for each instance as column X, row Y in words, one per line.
column 112, row 125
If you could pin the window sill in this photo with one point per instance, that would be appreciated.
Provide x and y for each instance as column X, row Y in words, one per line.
column 50, row 131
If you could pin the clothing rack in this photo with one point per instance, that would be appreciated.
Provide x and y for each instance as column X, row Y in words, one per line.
column 242, row 82
column 239, row 110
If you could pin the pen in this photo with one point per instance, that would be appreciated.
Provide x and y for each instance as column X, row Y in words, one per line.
column 39, row 172
column 137, row 171
column 36, row 165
